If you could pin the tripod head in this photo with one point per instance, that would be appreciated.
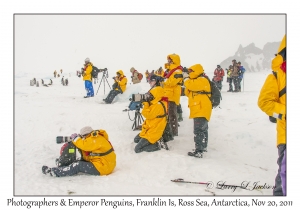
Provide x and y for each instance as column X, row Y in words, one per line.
column 103, row 79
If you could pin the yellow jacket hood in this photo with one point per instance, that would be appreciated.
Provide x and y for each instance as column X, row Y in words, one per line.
column 176, row 61
column 197, row 70
column 121, row 73
column 278, row 60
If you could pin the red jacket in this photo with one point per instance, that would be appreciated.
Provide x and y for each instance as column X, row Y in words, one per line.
column 219, row 74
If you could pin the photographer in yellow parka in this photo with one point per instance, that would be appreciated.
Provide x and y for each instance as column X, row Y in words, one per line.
column 118, row 87
column 172, row 88
column 98, row 156
column 272, row 101
column 154, row 110
column 197, row 87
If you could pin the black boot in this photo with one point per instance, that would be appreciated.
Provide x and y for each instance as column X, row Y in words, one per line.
column 46, row 170
column 197, row 154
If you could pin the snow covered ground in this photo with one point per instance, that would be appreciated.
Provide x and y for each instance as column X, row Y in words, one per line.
column 241, row 146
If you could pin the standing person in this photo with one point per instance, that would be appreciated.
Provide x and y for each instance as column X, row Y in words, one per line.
column 197, row 89
column 98, row 156
column 241, row 74
column 218, row 76
column 160, row 72
column 154, row 110
column 235, row 75
column 54, row 73
column 118, row 87
column 134, row 77
column 272, row 101
column 87, row 78
column 229, row 78
column 172, row 89
column 147, row 75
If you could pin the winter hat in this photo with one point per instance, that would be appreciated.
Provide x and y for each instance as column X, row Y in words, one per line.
column 87, row 60
column 132, row 69
column 86, row 130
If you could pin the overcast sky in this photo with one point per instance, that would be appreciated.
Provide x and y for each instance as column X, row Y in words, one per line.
column 44, row 43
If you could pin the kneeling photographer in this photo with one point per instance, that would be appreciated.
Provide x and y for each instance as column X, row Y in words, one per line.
column 97, row 155
column 155, row 112
column 118, row 87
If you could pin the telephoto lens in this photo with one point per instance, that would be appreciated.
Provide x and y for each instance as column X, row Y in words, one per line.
column 62, row 139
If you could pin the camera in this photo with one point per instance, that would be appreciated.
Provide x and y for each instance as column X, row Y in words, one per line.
column 141, row 97
column 62, row 139
column 135, row 105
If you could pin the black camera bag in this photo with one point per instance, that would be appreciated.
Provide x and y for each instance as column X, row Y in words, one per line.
column 67, row 155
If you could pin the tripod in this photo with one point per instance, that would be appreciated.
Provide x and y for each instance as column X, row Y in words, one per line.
column 104, row 78
column 138, row 120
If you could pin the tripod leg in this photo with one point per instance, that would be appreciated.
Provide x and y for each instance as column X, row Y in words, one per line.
column 99, row 87
column 107, row 83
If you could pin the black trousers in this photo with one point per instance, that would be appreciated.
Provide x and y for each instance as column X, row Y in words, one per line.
column 75, row 168
column 143, row 145
column 236, row 83
column 179, row 109
column 112, row 94
column 230, row 83
column 200, row 133
column 173, row 117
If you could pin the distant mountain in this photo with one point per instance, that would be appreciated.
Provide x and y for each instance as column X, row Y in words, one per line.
column 253, row 58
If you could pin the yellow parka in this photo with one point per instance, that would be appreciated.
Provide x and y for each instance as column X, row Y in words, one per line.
column 87, row 75
column 199, row 104
column 269, row 100
column 153, row 127
column 122, row 81
column 97, row 142
column 172, row 85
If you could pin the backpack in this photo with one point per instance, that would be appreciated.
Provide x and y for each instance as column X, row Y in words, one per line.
column 140, row 76
column 95, row 72
column 67, row 155
column 216, row 96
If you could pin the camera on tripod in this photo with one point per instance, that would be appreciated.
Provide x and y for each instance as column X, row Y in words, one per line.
column 141, row 97
column 62, row 139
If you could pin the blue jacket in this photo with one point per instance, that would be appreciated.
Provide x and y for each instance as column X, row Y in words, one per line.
column 242, row 71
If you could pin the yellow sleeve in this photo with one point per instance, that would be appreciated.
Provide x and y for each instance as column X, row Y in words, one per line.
column 269, row 97
column 172, row 81
column 151, row 112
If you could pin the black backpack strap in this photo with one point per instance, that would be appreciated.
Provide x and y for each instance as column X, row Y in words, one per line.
column 165, row 115
column 102, row 154
column 283, row 91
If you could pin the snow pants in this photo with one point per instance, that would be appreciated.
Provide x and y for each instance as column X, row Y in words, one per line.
column 230, row 84
column 236, row 83
column 278, row 183
column 143, row 145
column 172, row 112
column 200, row 133
column 75, row 168
column 89, row 88
column 179, row 109
column 112, row 94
